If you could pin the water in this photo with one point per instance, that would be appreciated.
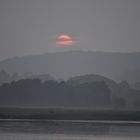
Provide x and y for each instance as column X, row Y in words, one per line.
column 68, row 130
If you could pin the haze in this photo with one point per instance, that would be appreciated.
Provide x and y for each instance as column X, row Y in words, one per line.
column 30, row 26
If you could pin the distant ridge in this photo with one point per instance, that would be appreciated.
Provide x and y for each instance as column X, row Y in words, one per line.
column 115, row 65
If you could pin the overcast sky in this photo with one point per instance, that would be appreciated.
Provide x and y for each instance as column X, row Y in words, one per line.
column 31, row 26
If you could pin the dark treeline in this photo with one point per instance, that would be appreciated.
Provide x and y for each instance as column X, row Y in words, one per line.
column 89, row 91
column 33, row 92
column 83, row 97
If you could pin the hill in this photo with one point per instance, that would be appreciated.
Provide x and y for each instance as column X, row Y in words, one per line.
column 117, row 66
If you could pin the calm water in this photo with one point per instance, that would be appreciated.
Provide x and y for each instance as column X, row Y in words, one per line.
column 68, row 130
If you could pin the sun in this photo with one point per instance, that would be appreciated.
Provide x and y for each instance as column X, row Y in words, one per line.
column 64, row 37
column 64, row 40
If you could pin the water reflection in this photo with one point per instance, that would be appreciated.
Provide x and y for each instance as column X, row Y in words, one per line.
column 68, row 130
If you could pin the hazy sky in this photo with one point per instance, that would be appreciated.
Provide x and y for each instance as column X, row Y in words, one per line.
column 31, row 26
